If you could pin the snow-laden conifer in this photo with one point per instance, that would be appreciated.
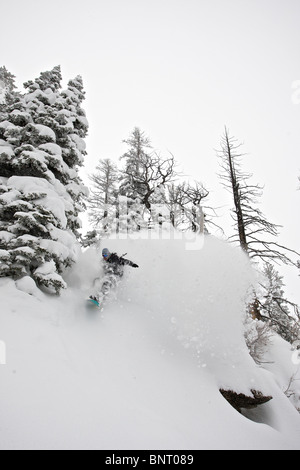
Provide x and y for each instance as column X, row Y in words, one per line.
column 41, row 194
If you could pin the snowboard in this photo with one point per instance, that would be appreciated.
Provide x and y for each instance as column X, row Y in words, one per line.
column 93, row 303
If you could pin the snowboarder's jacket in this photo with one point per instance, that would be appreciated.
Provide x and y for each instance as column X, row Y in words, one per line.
column 117, row 262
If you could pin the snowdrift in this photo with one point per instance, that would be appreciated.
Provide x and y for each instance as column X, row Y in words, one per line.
column 146, row 372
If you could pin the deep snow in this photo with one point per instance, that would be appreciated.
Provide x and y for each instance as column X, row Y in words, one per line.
column 145, row 373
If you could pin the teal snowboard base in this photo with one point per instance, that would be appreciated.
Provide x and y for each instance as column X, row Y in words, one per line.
column 93, row 303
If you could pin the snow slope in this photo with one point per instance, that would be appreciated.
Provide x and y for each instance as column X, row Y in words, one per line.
column 146, row 372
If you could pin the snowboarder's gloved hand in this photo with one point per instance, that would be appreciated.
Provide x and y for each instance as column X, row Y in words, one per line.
column 135, row 266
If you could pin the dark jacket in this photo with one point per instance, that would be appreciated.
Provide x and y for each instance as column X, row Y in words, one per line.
column 116, row 264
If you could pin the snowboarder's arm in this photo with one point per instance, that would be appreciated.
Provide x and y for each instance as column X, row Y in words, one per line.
column 114, row 258
column 128, row 263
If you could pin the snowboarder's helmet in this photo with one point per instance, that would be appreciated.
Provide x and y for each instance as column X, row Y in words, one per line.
column 105, row 253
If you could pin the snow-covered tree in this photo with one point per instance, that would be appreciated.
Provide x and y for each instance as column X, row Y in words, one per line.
column 258, row 335
column 7, row 88
column 90, row 239
column 103, row 200
column 187, row 210
column 190, row 198
column 145, row 176
column 275, row 308
column 41, row 194
column 138, row 151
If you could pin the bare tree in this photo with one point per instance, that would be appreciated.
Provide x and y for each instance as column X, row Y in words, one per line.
column 194, row 196
column 145, row 171
column 255, row 233
column 187, row 209
column 184, row 201
column 176, row 201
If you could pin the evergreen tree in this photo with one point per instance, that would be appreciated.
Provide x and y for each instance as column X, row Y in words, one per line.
column 7, row 88
column 275, row 308
column 103, row 200
column 135, row 159
column 145, row 178
column 41, row 193
column 90, row 239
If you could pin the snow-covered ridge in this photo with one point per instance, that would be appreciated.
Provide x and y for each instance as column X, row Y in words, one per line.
column 146, row 372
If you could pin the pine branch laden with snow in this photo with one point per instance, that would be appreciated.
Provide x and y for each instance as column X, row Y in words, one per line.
column 275, row 309
column 41, row 194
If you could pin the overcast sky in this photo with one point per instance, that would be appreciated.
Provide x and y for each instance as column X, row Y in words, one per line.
column 180, row 70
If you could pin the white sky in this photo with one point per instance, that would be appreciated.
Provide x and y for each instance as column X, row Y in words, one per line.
column 180, row 70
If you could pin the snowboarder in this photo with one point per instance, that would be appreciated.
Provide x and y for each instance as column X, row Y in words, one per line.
column 116, row 262
column 114, row 271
